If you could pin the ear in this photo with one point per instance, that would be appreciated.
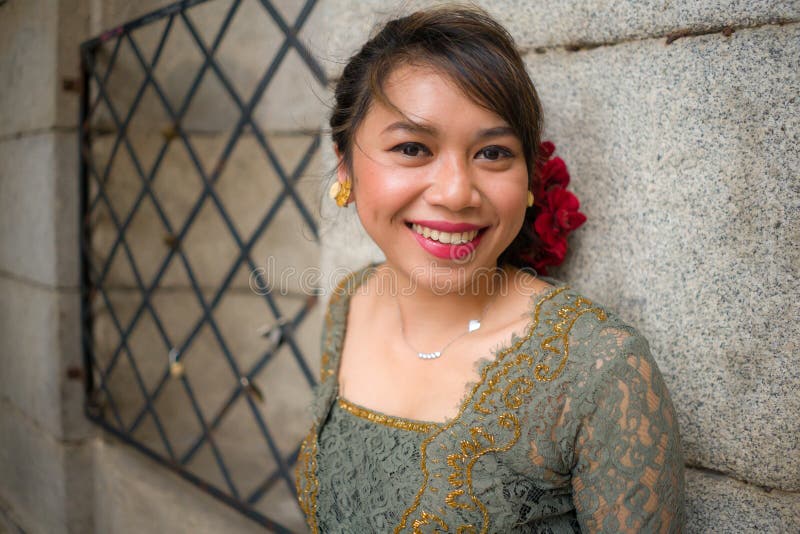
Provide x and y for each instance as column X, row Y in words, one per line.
column 342, row 173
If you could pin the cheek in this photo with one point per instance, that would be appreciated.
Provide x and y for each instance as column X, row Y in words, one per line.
column 379, row 183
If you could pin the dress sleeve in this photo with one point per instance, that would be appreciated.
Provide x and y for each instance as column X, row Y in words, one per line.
column 628, row 466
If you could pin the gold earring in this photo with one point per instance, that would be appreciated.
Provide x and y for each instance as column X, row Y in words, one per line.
column 530, row 199
column 340, row 192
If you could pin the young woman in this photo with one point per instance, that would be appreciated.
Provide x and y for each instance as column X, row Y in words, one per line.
column 460, row 392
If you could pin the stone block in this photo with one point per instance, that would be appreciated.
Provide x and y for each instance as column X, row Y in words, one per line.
column 250, row 43
column 716, row 503
column 247, row 188
column 40, row 42
column 551, row 24
column 684, row 158
column 135, row 494
column 40, row 335
column 39, row 209
column 73, row 28
column 28, row 37
column 46, row 482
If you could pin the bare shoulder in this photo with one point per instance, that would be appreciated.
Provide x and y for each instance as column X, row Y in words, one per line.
column 520, row 287
column 374, row 282
column 512, row 310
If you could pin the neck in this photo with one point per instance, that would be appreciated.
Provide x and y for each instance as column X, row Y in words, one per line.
column 436, row 307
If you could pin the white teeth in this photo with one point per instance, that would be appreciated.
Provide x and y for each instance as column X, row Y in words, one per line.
column 454, row 238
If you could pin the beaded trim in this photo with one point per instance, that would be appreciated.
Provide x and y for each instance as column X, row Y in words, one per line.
column 307, row 495
column 386, row 420
column 505, row 398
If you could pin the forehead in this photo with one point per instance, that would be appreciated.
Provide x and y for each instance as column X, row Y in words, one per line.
column 422, row 93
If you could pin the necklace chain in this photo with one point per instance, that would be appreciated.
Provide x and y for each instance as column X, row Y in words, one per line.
column 474, row 324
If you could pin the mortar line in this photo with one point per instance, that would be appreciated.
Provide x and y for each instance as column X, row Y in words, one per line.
column 582, row 46
column 671, row 37
column 35, row 132
column 45, row 431
column 14, row 277
column 717, row 473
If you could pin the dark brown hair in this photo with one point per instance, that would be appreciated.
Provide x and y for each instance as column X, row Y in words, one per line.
column 470, row 47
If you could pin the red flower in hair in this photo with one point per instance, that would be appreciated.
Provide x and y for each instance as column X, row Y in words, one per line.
column 555, row 212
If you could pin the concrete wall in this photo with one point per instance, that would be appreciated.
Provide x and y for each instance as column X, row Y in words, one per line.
column 682, row 143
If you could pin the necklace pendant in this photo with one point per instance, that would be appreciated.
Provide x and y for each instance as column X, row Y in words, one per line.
column 429, row 355
column 474, row 324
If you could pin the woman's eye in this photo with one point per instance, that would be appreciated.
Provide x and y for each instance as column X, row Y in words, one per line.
column 411, row 150
column 493, row 153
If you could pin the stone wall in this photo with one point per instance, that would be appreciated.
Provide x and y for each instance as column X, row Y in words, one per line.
column 681, row 140
column 60, row 473
column 46, row 450
column 680, row 128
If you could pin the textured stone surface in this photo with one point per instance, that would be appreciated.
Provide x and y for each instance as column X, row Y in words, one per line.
column 40, row 337
column 47, row 483
column 720, row 504
column 562, row 22
column 684, row 157
column 39, row 43
column 135, row 494
column 39, row 209
column 27, row 64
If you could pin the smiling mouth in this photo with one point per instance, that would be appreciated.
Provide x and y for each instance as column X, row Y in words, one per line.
column 447, row 238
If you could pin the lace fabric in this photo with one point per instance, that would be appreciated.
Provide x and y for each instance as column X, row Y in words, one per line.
column 569, row 429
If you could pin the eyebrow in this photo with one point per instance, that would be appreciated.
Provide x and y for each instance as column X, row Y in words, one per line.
column 413, row 127
column 497, row 131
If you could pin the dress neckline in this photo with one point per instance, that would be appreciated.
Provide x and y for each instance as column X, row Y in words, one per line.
column 481, row 365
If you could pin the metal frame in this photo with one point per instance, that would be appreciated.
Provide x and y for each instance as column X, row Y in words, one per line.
column 98, row 394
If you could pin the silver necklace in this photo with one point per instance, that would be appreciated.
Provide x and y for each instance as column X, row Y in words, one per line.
column 474, row 324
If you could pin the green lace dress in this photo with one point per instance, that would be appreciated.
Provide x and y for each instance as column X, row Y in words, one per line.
column 568, row 429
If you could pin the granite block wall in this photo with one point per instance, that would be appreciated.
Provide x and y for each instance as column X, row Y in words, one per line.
column 46, row 464
column 679, row 124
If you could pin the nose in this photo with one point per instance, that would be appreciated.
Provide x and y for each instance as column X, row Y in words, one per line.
column 452, row 185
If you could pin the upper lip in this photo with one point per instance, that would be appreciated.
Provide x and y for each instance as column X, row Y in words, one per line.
column 445, row 226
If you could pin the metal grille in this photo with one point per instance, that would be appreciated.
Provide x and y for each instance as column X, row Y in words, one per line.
column 141, row 382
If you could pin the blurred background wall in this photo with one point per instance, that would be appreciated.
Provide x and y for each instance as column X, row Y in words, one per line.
column 679, row 123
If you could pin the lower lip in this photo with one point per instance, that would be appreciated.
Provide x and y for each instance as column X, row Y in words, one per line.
column 447, row 252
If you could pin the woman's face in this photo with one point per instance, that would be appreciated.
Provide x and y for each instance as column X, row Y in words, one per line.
column 441, row 190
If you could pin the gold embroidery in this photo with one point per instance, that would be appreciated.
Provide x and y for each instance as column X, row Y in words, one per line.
column 452, row 460
column 512, row 394
column 387, row 420
column 568, row 315
column 307, row 466
column 425, row 519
